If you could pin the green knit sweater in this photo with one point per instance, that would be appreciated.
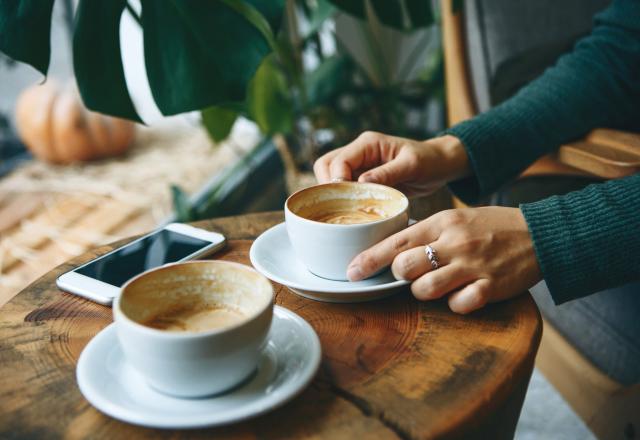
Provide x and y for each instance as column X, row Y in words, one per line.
column 587, row 240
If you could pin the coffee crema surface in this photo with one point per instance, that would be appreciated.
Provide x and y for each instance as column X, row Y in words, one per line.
column 347, row 203
column 196, row 297
column 195, row 318
column 348, row 211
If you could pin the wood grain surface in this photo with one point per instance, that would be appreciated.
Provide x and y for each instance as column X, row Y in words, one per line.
column 605, row 153
column 395, row 368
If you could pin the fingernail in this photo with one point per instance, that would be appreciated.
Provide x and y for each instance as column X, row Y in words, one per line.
column 396, row 276
column 465, row 303
column 354, row 273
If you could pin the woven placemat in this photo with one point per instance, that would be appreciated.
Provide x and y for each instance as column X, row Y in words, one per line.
column 177, row 153
column 83, row 205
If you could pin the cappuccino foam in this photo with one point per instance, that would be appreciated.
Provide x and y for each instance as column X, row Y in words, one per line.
column 348, row 211
column 347, row 203
column 195, row 318
column 196, row 296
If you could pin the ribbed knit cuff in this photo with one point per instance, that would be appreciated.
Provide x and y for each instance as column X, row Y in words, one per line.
column 497, row 151
column 587, row 240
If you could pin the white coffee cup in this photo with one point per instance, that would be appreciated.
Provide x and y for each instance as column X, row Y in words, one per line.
column 196, row 328
column 326, row 249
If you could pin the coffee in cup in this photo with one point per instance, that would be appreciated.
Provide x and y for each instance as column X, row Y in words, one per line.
column 195, row 317
column 195, row 328
column 329, row 224
column 349, row 211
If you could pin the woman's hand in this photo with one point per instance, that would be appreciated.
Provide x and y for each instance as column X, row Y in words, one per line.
column 414, row 167
column 484, row 255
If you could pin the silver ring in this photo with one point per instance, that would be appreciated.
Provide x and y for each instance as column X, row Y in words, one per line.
column 432, row 256
column 337, row 179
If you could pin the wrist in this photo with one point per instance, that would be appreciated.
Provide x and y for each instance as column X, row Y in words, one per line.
column 454, row 156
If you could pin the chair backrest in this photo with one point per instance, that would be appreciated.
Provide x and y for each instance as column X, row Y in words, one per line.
column 510, row 42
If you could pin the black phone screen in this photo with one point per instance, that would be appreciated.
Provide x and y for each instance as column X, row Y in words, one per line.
column 159, row 248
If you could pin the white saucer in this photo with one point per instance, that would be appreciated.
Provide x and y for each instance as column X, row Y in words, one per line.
column 273, row 256
column 288, row 364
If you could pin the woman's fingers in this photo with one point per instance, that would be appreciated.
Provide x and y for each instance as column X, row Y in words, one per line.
column 471, row 297
column 389, row 173
column 382, row 254
column 410, row 264
column 414, row 263
column 321, row 166
column 360, row 155
column 343, row 165
column 437, row 283
column 369, row 150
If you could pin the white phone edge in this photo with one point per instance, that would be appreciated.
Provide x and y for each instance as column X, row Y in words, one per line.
column 104, row 293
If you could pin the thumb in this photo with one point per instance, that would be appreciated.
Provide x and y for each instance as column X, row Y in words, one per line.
column 390, row 173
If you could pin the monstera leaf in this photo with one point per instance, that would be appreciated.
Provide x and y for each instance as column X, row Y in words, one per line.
column 25, row 29
column 198, row 53
column 400, row 14
column 96, row 59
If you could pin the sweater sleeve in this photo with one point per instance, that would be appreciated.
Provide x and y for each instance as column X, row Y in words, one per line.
column 587, row 240
column 595, row 85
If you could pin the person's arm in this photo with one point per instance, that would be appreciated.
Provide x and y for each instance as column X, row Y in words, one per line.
column 579, row 243
column 587, row 240
column 595, row 85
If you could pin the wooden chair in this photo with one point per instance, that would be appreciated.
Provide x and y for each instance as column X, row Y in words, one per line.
column 609, row 409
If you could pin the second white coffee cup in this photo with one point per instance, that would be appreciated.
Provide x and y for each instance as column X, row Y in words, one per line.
column 213, row 351
column 326, row 249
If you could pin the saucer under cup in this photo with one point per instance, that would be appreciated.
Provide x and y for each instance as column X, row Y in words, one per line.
column 286, row 366
column 273, row 256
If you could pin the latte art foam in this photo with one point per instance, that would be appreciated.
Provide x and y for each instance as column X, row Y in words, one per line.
column 195, row 317
column 348, row 217
column 348, row 211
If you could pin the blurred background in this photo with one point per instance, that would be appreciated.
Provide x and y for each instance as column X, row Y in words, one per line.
column 335, row 74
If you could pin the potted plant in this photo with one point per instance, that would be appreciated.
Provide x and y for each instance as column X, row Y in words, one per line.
column 250, row 58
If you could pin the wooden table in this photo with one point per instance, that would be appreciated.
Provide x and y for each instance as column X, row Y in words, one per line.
column 394, row 368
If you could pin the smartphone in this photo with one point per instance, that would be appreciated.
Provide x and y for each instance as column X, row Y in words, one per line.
column 100, row 280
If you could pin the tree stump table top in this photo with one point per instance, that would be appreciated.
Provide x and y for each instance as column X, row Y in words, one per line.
column 393, row 368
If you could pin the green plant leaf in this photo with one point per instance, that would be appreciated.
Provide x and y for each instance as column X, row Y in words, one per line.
column 218, row 121
column 253, row 16
column 97, row 61
column 272, row 10
column 25, row 31
column 181, row 205
column 421, row 13
column 200, row 53
column 405, row 15
column 270, row 104
column 353, row 7
column 327, row 80
column 390, row 13
column 318, row 17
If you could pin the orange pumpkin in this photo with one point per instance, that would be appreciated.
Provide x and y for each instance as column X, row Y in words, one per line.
column 55, row 125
